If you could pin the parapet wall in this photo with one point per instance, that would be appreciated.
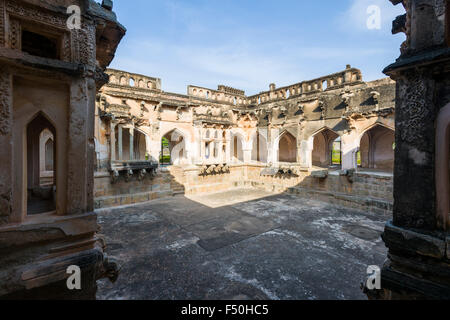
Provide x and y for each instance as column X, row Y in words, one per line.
column 359, row 190
column 351, row 76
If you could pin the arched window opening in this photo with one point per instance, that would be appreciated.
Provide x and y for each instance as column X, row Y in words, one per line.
column 377, row 147
column 336, row 153
column 173, row 149
column 49, row 146
column 41, row 166
column 287, row 148
column 326, row 149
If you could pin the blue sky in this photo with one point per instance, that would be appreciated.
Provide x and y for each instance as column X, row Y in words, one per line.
column 248, row 44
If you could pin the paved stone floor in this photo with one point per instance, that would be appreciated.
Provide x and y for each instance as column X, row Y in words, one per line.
column 240, row 244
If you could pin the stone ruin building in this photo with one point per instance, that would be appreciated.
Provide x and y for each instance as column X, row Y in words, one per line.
column 49, row 75
column 77, row 136
column 324, row 136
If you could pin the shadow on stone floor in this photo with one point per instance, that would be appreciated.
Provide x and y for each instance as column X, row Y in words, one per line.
column 272, row 247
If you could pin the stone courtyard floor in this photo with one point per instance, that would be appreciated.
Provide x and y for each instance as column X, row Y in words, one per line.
column 240, row 244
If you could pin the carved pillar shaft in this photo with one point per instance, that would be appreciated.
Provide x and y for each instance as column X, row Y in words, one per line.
column 113, row 141
column 6, row 145
column 120, row 142
column 131, row 143
column 77, row 183
column 227, row 151
column 414, row 152
column 2, row 23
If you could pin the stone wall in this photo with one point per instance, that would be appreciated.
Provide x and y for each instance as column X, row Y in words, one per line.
column 359, row 190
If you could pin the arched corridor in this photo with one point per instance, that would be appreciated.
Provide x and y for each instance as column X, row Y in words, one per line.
column 377, row 149
column 41, row 164
column 326, row 149
column 287, row 148
column 173, row 148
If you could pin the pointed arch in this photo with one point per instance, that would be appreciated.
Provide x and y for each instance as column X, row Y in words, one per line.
column 173, row 147
column 326, row 149
column 287, row 147
column 39, row 193
column 443, row 168
column 376, row 148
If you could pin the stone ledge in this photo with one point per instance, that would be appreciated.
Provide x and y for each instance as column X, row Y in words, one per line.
column 360, row 200
column 415, row 287
column 47, row 228
column 320, row 174
column 42, row 273
column 411, row 241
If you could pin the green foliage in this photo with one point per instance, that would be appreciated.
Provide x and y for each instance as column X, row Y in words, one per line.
column 336, row 157
column 165, row 147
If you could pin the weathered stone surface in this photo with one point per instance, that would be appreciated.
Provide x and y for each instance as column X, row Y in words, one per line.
column 320, row 174
column 417, row 265
column 46, row 219
column 275, row 134
column 291, row 248
column 411, row 241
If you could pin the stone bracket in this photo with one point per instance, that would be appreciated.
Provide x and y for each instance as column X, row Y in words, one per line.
column 213, row 169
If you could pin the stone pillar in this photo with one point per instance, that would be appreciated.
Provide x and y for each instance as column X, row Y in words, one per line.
column 120, row 141
column 220, row 154
column 418, row 264
column 77, row 183
column 349, row 148
column 306, row 148
column 202, row 151
column 112, row 138
column 228, row 151
column 211, row 151
column 247, row 154
column 147, row 147
column 6, row 145
column 131, row 143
